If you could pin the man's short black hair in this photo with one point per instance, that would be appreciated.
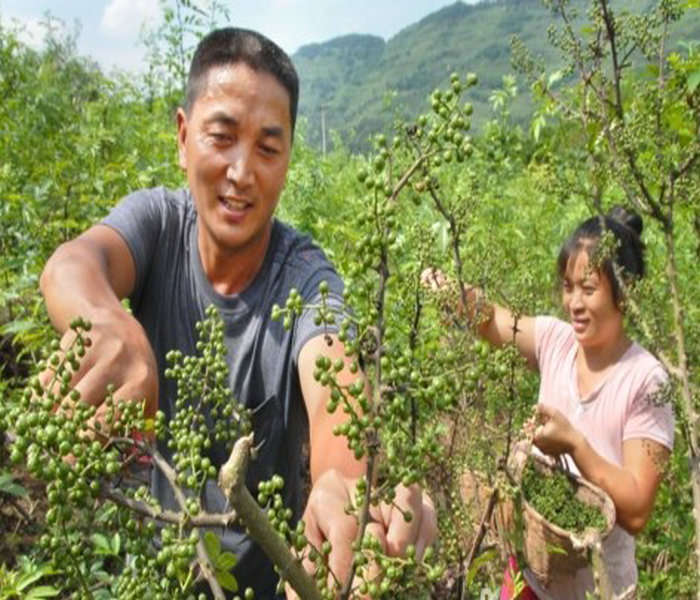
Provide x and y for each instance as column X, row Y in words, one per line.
column 232, row 45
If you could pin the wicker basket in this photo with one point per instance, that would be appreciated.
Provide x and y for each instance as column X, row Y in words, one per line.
column 550, row 549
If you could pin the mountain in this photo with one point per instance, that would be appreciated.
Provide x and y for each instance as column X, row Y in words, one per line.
column 358, row 82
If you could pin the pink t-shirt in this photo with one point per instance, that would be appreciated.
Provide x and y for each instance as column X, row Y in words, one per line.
column 621, row 407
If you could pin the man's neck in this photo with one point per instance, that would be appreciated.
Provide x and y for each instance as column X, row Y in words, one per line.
column 232, row 271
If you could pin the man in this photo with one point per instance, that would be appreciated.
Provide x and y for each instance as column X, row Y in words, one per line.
column 175, row 253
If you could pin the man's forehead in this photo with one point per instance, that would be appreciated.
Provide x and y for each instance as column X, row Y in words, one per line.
column 240, row 78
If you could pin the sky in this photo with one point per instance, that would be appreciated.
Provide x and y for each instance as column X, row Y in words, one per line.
column 110, row 29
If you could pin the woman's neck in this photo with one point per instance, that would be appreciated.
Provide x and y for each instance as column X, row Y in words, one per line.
column 599, row 358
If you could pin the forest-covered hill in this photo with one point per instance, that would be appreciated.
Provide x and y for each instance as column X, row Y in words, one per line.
column 352, row 78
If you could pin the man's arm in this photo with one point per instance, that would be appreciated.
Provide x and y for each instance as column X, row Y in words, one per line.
column 88, row 277
column 335, row 471
column 328, row 451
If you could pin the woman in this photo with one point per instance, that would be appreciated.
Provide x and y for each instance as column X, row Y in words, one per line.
column 598, row 399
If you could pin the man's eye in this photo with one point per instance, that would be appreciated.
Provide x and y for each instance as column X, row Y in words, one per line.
column 220, row 137
column 269, row 150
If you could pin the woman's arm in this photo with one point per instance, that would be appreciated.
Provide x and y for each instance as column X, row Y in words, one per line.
column 496, row 324
column 632, row 486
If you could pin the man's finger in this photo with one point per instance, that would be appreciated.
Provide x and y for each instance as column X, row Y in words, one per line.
column 403, row 522
column 372, row 572
column 341, row 535
column 428, row 526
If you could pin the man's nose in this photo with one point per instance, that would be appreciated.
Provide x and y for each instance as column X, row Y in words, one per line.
column 240, row 167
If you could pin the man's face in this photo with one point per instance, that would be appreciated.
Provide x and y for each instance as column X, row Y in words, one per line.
column 235, row 147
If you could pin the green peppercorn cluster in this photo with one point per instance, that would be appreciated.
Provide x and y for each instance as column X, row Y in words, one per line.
column 554, row 497
column 82, row 454
column 206, row 411
column 407, row 573
column 62, row 441
column 392, row 409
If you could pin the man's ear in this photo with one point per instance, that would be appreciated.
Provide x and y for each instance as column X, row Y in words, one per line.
column 181, row 137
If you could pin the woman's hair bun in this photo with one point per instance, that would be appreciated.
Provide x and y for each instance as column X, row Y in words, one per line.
column 627, row 217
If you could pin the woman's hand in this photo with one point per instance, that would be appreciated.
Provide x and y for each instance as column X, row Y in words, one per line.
column 554, row 434
column 434, row 280
column 496, row 324
column 632, row 485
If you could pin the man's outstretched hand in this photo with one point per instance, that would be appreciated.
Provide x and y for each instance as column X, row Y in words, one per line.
column 118, row 355
column 326, row 519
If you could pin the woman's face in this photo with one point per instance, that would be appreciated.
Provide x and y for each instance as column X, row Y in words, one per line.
column 587, row 297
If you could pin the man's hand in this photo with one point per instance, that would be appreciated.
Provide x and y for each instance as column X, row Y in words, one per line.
column 119, row 354
column 326, row 520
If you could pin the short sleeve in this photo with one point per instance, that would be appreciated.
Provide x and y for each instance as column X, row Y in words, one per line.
column 551, row 334
column 307, row 327
column 651, row 413
column 139, row 219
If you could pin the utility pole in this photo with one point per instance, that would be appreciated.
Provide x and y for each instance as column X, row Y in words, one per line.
column 323, row 129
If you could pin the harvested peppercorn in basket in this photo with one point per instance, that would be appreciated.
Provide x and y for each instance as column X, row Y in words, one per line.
column 563, row 515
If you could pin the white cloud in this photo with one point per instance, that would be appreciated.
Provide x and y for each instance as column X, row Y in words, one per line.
column 32, row 30
column 123, row 18
column 284, row 4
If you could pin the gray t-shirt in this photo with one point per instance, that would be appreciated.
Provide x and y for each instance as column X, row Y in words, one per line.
column 172, row 293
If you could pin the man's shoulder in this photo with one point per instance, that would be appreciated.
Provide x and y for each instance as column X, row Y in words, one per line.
column 296, row 250
column 165, row 199
column 301, row 263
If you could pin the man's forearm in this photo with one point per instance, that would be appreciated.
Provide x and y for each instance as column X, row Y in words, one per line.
column 75, row 282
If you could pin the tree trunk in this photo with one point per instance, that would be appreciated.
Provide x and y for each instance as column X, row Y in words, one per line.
column 687, row 400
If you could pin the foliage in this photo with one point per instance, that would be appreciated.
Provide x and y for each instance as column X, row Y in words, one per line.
column 490, row 208
column 24, row 583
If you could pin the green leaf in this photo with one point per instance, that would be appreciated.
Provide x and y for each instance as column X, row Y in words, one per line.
column 116, row 544
column 212, row 545
column 101, row 543
column 694, row 81
column 10, row 487
column 43, row 591
column 554, row 78
column 226, row 561
column 227, row 581
column 29, row 578
column 478, row 562
column 16, row 327
column 538, row 122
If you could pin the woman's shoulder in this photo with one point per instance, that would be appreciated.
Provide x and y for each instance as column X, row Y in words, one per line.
column 643, row 365
column 649, row 409
column 552, row 335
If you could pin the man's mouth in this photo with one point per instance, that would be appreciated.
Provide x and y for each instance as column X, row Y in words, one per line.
column 234, row 204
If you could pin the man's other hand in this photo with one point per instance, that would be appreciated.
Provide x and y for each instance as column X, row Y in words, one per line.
column 326, row 519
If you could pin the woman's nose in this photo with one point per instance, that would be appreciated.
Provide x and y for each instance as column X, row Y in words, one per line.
column 576, row 299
